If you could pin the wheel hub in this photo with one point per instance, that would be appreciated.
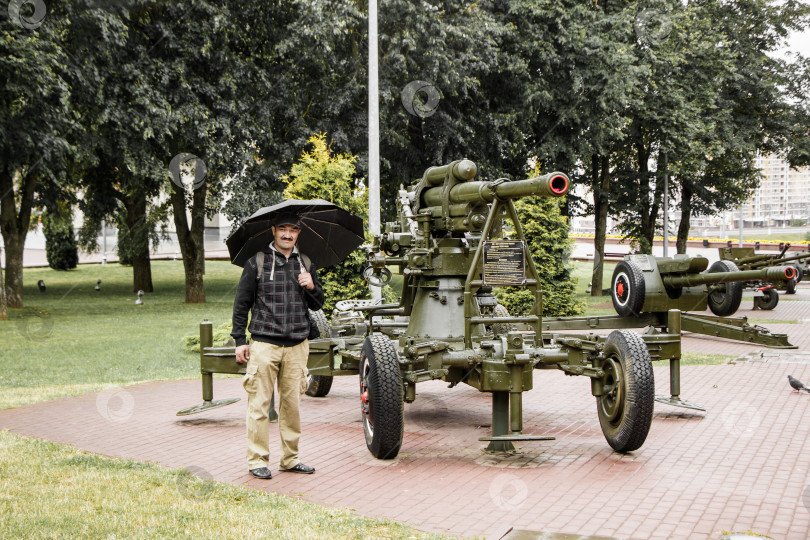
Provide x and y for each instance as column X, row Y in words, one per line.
column 611, row 402
column 365, row 400
column 622, row 288
column 718, row 295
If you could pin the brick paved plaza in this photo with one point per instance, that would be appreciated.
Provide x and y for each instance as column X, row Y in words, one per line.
column 741, row 466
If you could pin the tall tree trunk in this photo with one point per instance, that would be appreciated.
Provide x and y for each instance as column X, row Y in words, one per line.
column 655, row 206
column 192, row 241
column 138, row 226
column 686, row 214
column 3, row 302
column 14, row 227
column 601, row 193
column 14, row 269
column 648, row 209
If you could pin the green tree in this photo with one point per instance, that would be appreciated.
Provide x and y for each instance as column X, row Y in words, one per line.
column 314, row 57
column 763, row 108
column 119, row 95
column 204, row 73
column 34, row 118
column 713, row 96
column 575, row 77
column 320, row 174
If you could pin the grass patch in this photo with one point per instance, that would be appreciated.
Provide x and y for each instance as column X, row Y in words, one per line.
column 49, row 490
column 775, row 235
column 583, row 274
column 71, row 340
column 701, row 359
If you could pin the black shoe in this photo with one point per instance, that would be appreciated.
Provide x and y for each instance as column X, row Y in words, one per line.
column 300, row 468
column 262, row 472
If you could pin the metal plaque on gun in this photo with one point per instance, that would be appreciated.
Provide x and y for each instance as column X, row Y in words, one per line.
column 504, row 262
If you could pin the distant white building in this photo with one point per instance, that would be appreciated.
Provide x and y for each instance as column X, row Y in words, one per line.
column 783, row 196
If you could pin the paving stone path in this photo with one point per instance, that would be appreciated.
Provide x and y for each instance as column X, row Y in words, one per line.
column 742, row 465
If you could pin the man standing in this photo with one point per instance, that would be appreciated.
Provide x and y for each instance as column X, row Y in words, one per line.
column 278, row 295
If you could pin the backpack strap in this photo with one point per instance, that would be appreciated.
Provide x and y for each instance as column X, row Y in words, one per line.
column 259, row 264
column 305, row 261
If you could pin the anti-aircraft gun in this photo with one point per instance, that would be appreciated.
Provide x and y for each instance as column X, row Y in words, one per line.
column 449, row 326
column 765, row 295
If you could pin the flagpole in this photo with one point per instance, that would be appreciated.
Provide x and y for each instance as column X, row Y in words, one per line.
column 373, row 132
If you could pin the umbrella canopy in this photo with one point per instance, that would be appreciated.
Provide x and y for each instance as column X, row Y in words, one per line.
column 328, row 233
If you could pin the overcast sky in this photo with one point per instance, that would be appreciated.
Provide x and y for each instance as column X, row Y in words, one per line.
column 800, row 43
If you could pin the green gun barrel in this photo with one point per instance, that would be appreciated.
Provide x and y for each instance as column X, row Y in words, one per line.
column 755, row 259
column 462, row 170
column 691, row 280
column 549, row 185
column 770, row 260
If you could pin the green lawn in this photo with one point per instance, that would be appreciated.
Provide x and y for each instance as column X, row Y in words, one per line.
column 776, row 235
column 101, row 339
column 71, row 340
column 583, row 274
column 50, row 490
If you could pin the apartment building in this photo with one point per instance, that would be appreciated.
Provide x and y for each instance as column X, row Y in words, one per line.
column 783, row 194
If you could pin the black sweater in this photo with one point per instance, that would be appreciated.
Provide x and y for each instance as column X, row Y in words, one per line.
column 279, row 304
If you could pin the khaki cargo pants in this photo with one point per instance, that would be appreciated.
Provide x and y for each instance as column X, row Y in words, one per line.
column 267, row 364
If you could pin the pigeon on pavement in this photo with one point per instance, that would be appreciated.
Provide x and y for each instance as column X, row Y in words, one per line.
column 797, row 384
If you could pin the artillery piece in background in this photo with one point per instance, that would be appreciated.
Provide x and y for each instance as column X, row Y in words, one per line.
column 449, row 326
column 645, row 288
column 766, row 295
column 646, row 284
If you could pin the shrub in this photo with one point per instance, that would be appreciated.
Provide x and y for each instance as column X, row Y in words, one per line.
column 60, row 242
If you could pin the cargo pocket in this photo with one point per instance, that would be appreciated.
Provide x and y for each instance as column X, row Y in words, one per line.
column 304, row 379
column 249, row 380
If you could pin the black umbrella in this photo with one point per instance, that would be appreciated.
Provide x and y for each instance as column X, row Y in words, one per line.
column 328, row 233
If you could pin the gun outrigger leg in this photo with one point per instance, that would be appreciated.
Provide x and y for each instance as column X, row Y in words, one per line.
column 674, row 327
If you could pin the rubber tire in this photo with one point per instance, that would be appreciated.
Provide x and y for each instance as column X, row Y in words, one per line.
column 319, row 385
column 770, row 300
column 628, row 274
column 626, row 428
column 384, row 424
column 501, row 329
column 790, row 286
column 799, row 273
column 727, row 302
